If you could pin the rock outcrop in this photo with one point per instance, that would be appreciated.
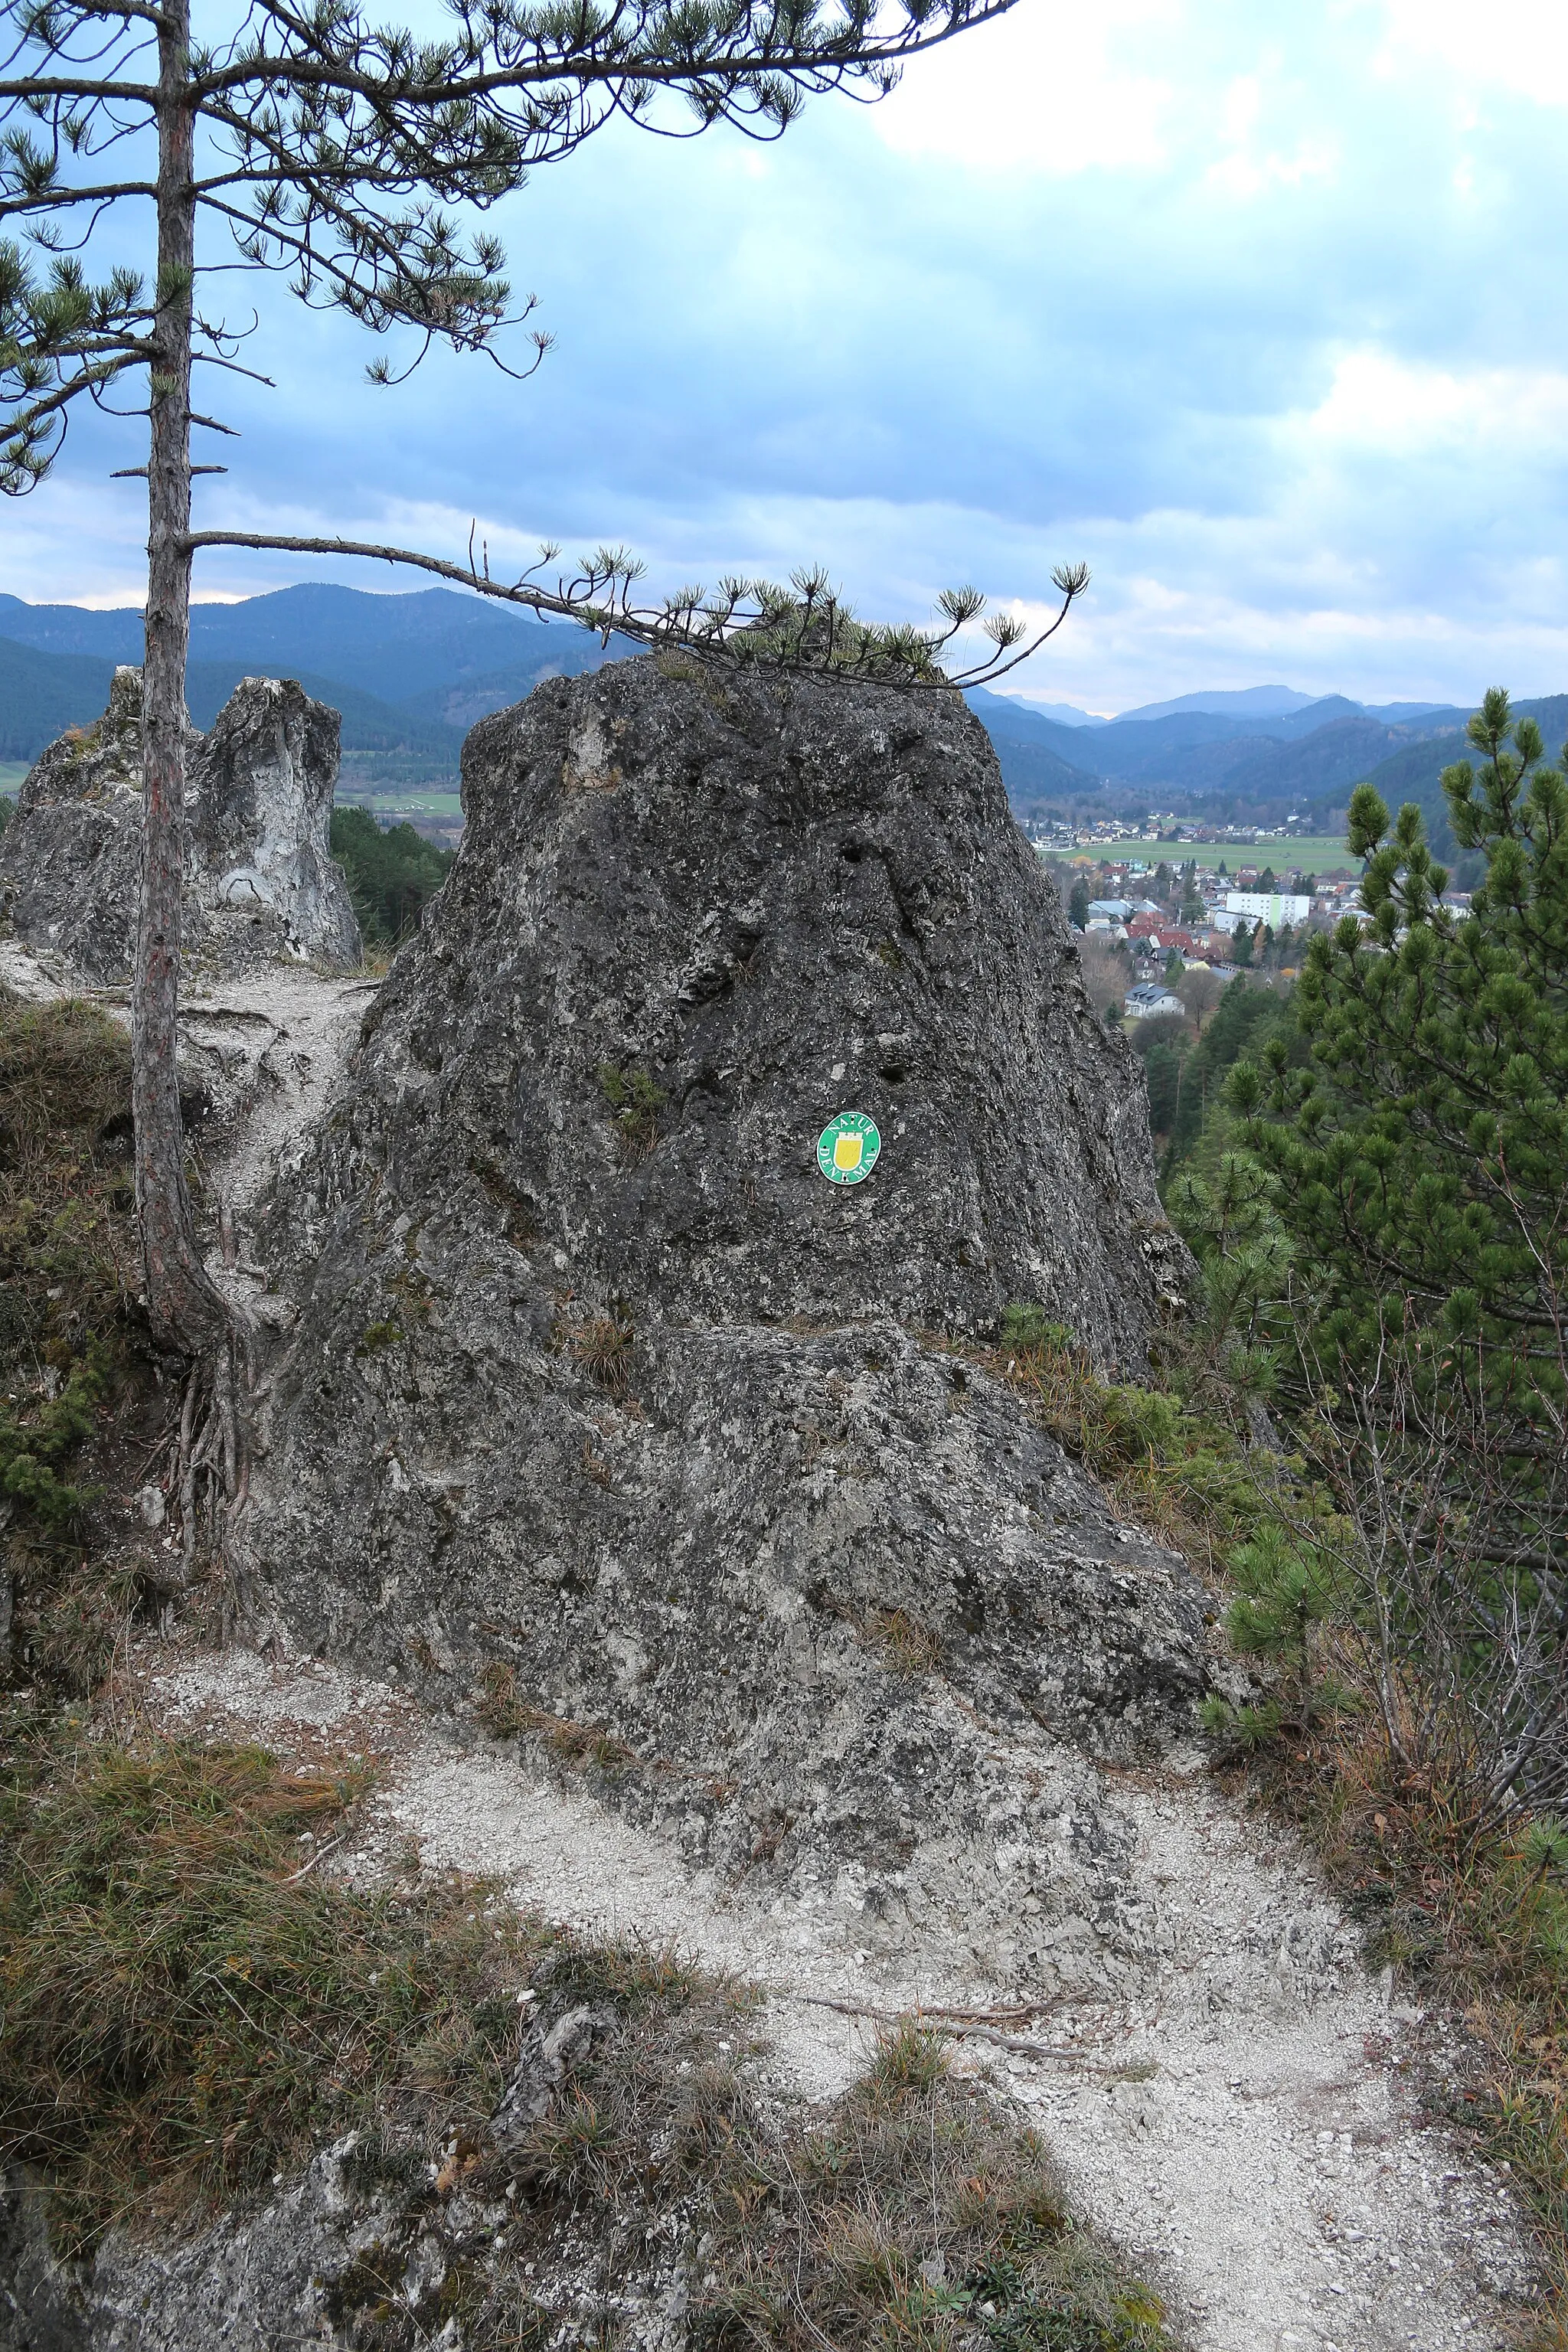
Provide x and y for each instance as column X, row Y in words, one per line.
column 260, row 884
column 599, row 1384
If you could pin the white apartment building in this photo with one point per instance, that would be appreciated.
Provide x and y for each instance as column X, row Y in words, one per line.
column 1275, row 907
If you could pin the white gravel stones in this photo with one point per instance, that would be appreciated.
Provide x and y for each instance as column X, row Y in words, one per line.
column 1242, row 2121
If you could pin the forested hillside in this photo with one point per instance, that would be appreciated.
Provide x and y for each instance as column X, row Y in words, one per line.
column 411, row 674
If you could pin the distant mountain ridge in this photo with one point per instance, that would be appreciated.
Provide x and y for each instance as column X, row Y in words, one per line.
column 391, row 646
column 409, row 673
column 1253, row 768
column 412, row 673
column 1250, row 705
column 1240, row 702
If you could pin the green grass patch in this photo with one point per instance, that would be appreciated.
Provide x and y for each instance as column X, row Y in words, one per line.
column 1180, row 1469
column 414, row 800
column 1317, row 854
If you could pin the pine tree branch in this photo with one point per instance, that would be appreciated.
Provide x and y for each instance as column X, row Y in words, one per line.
column 728, row 630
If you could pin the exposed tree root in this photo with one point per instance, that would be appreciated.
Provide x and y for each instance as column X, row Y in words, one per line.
column 211, row 1466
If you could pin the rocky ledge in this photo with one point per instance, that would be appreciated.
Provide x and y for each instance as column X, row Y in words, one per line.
column 598, row 1388
column 260, row 884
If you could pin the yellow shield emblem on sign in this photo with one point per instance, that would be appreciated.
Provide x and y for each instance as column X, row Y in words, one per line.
column 847, row 1147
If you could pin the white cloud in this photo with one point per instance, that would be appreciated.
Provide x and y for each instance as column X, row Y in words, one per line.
column 1516, row 46
column 1378, row 401
column 1261, row 306
column 1053, row 88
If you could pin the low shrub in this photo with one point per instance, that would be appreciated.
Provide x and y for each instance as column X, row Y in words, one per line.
column 1182, row 1470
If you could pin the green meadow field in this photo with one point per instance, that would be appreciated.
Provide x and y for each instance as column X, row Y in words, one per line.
column 392, row 804
column 1315, row 854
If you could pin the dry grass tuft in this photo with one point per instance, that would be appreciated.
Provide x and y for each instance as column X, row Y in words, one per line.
column 602, row 1347
column 907, row 1647
column 910, row 2058
column 507, row 1715
column 190, row 2006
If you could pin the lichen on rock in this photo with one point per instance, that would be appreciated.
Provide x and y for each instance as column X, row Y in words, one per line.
column 598, row 1385
column 260, row 884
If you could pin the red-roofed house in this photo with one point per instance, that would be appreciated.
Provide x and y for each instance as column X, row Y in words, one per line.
column 1163, row 935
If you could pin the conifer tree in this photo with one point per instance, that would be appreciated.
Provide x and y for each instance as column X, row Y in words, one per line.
column 1416, row 1173
column 1421, row 1158
column 355, row 159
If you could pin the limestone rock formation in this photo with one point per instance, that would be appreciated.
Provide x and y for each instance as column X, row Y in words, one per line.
column 598, row 1383
column 260, row 882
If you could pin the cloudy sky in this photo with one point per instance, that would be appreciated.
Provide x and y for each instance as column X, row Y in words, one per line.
column 1258, row 305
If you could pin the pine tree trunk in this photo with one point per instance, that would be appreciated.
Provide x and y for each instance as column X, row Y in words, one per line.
column 187, row 1311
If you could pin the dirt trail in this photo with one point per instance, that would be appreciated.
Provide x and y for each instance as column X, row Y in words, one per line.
column 1240, row 2115
column 1242, row 2120
column 263, row 1049
column 270, row 1045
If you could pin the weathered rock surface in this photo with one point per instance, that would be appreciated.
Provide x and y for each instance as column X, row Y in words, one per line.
column 260, row 882
column 315, row 2263
column 598, row 1378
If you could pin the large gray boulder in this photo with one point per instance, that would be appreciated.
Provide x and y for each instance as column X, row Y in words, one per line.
column 598, row 1381
column 260, row 882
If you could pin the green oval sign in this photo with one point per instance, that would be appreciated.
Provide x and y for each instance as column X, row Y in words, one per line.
column 847, row 1147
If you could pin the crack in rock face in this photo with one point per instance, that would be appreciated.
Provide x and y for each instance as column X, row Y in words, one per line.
column 598, row 1385
column 260, row 882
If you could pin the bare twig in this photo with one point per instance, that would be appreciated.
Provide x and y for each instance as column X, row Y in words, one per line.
column 954, row 2023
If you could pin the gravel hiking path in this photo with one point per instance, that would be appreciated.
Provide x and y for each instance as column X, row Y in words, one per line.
column 263, row 1049
column 1242, row 2120
column 1241, row 2115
